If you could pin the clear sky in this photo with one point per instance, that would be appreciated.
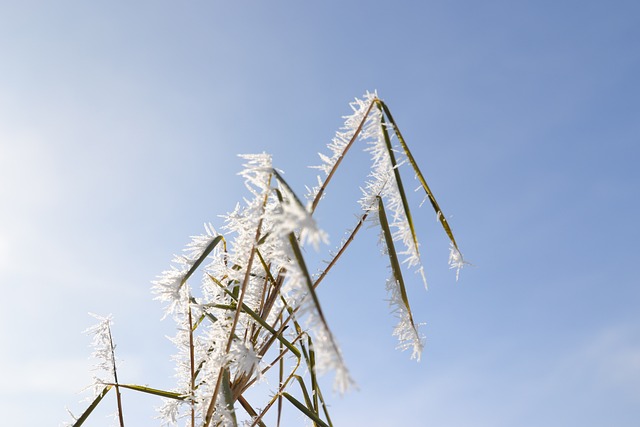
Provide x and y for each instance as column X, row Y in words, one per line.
column 119, row 128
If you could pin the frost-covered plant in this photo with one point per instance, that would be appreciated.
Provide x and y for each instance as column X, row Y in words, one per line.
column 257, row 312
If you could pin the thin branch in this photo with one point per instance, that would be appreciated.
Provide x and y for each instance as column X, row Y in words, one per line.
column 115, row 379
column 192, row 366
column 343, row 248
column 316, row 200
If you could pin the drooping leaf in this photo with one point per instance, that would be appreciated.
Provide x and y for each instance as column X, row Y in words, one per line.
column 423, row 182
column 396, row 173
column 305, row 272
column 393, row 258
column 284, row 183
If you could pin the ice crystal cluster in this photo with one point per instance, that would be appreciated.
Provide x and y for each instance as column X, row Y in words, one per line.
column 103, row 352
column 252, row 307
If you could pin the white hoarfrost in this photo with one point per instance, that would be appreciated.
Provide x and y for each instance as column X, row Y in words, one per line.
column 168, row 285
column 259, row 230
column 103, row 353
column 455, row 260
column 381, row 183
column 258, row 263
column 406, row 330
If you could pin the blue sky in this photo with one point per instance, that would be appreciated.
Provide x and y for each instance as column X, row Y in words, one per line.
column 119, row 128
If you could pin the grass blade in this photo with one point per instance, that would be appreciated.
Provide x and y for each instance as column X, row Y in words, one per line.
column 227, row 395
column 295, row 402
column 312, row 372
column 316, row 302
column 154, row 391
column 396, row 172
column 423, row 182
column 202, row 257
column 300, row 259
column 264, row 324
column 91, row 407
column 282, row 181
column 280, row 383
column 393, row 258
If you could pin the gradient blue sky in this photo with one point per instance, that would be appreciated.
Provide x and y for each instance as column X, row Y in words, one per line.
column 119, row 128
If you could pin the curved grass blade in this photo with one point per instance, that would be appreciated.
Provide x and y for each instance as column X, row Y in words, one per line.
column 303, row 268
column 316, row 419
column 202, row 257
column 393, row 258
column 316, row 302
column 305, row 393
column 423, row 182
column 396, row 172
column 91, row 407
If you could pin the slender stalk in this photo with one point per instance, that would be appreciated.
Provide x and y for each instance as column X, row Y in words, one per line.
column 335, row 259
column 263, row 323
column 316, row 200
column 343, row 248
column 276, row 360
column 247, row 407
column 280, row 379
column 115, row 380
column 236, row 317
column 279, row 393
column 192, row 366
